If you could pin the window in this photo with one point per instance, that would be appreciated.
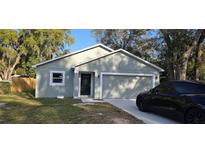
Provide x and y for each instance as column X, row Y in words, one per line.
column 57, row 78
column 165, row 88
column 201, row 89
column 185, row 88
column 190, row 88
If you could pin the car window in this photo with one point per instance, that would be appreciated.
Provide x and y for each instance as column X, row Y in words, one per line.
column 201, row 89
column 190, row 88
column 185, row 88
column 165, row 88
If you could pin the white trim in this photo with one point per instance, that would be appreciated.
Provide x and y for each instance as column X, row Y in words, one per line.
column 124, row 74
column 76, row 52
column 136, row 57
column 153, row 81
column 57, row 84
column 82, row 63
column 79, row 83
column 91, row 84
column 126, row 52
column 37, row 82
column 101, row 85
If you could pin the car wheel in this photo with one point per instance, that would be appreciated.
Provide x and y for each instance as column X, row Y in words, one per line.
column 194, row 116
column 140, row 105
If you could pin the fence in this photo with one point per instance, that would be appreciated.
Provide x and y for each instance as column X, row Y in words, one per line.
column 20, row 84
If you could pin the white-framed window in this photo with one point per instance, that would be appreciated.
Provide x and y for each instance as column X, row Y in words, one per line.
column 57, row 78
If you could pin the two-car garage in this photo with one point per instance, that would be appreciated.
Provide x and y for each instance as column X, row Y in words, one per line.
column 125, row 85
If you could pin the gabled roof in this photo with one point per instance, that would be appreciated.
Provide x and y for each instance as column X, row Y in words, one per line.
column 125, row 52
column 70, row 54
column 142, row 60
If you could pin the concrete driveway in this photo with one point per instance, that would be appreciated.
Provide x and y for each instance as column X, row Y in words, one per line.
column 130, row 107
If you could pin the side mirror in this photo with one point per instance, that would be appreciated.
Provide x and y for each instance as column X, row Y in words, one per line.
column 151, row 91
column 156, row 92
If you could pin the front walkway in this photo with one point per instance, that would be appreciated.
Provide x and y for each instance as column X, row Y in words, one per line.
column 91, row 100
column 130, row 107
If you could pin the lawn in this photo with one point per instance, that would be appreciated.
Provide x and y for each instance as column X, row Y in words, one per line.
column 25, row 109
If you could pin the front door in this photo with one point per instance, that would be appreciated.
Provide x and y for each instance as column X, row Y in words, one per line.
column 85, row 84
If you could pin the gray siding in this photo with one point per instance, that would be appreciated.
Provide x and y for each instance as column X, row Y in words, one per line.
column 43, row 89
column 115, row 63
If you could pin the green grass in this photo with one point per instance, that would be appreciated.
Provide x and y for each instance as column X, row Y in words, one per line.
column 5, row 87
column 25, row 109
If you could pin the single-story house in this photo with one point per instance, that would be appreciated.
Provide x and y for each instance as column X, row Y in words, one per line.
column 97, row 72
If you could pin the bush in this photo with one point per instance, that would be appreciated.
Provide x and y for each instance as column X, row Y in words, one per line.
column 5, row 87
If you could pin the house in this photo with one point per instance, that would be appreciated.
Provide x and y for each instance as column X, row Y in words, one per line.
column 97, row 72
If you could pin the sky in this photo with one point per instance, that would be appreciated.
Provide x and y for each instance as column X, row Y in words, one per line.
column 83, row 39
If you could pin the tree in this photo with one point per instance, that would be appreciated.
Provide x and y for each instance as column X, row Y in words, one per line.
column 22, row 48
column 12, row 47
column 198, row 55
column 47, row 43
column 180, row 45
column 132, row 40
column 169, row 48
column 145, row 43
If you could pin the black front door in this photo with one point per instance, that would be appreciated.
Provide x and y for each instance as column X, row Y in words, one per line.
column 85, row 84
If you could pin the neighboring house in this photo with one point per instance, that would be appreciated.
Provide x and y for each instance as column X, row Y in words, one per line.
column 97, row 72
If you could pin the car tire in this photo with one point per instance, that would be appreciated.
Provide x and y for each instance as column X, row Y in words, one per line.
column 194, row 116
column 140, row 105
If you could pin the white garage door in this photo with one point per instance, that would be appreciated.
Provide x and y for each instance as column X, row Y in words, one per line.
column 125, row 86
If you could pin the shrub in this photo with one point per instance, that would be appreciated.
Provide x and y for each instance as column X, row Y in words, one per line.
column 5, row 87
